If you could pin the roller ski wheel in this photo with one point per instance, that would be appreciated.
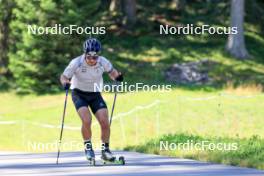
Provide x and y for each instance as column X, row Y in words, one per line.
column 92, row 161
column 119, row 161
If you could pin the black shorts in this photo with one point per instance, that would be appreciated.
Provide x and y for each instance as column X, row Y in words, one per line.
column 92, row 99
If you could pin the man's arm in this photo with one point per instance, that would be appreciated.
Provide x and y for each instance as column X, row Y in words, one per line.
column 68, row 73
column 112, row 72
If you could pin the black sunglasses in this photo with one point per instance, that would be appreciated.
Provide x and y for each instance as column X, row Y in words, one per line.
column 90, row 57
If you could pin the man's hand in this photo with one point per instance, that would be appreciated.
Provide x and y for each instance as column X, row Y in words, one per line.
column 66, row 86
column 66, row 83
column 116, row 76
column 120, row 77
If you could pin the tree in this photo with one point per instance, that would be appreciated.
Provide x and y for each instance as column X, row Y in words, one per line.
column 236, row 42
column 5, row 18
column 37, row 60
column 178, row 4
column 114, row 5
column 129, row 11
column 104, row 5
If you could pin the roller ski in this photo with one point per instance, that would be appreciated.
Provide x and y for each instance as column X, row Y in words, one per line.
column 90, row 156
column 108, row 158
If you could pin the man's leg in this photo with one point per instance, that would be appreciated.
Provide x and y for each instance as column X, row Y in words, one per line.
column 102, row 117
column 86, row 118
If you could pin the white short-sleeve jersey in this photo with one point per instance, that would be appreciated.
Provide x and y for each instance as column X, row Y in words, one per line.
column 85, row 77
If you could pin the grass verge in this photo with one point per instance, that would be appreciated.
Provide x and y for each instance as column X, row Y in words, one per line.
column 245, row 152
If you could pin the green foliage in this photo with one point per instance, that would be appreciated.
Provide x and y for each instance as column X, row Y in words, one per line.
column 36, row 61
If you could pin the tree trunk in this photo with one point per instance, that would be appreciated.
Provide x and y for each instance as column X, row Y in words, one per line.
column 129, row 10
column 236, row 42
column 5, row 17
column 177, row 4
column 114, row 5
column 105, row 4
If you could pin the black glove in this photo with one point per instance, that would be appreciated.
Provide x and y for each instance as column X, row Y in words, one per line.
column 119, row 78
column 66, row 86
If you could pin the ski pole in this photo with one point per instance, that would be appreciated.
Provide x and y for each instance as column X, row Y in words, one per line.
column 62, row 124
column 113, row 107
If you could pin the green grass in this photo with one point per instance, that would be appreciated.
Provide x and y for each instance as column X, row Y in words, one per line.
column 223, row 116
column 245, row 152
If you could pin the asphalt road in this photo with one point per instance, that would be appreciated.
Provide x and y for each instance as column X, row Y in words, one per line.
column 74, row 163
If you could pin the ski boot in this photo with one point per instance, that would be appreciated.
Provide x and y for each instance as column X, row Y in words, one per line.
column 90, row 156
column 107, row 157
